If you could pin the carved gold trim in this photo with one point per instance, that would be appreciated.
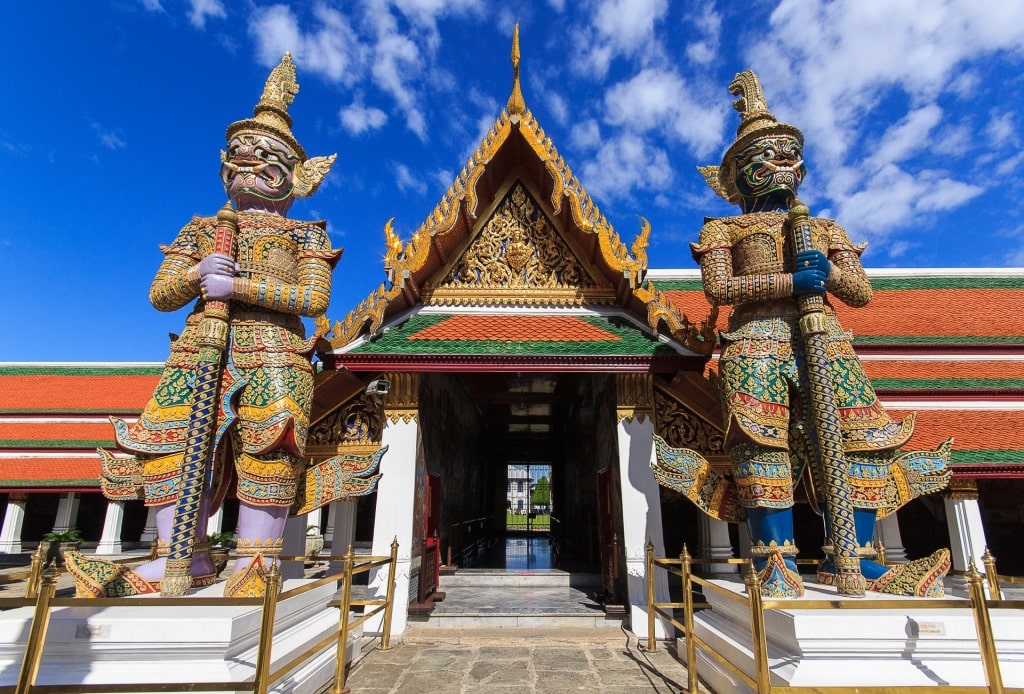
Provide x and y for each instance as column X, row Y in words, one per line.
column 700, row 338
column 368, row 316
column 518, row 256
column 357, row 421
column 402, row 401
column 634, row 397
column 402, row 261
column 961, row 489
column 682, row 427
column 404, row 391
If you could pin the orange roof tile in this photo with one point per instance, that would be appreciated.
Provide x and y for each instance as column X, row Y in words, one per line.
column 954, row 312
column 971, row 429
column 63, row 434
column 76, row 393
column 896, row 368
column 23, row 472
column 510, row 328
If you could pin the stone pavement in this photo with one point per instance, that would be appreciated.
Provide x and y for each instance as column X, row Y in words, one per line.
column 515, row 661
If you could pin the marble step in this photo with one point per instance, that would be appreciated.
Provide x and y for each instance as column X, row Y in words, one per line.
column 499, row 607
column 539, row 578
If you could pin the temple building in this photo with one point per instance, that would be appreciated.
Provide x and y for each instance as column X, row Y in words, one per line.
column 516, row 327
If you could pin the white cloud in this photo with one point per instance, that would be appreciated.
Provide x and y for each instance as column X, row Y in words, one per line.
column 661, row 100
column 1010, row 165
column 892, row 198
column 585, row 134
column 406, row 181
column 1001, row 130
column 331, row 49
column 865, row 49
column 200, row 10
column 905, row 137
column 108, row 138
column 617, row 28
column 152, row 5
column 358, row 118
column 926, row 61
column 623, row 164
column 557, row 106
column 709, row 27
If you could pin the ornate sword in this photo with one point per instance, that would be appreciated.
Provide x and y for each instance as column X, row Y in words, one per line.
column 828, row 435
column 197, row 459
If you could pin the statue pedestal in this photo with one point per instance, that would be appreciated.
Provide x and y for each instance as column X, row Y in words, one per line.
column 884, row 647
column 121, row 645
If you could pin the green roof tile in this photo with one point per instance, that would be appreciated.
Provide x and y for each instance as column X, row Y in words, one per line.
column 631, row 341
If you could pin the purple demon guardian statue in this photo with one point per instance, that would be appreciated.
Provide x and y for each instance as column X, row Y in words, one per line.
column 231, row 410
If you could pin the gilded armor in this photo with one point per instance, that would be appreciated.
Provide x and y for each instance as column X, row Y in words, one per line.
column 284, row 273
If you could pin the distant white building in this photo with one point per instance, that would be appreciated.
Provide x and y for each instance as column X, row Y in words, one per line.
column 519, row 488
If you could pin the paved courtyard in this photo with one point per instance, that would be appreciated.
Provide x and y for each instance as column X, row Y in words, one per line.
column 513, row 660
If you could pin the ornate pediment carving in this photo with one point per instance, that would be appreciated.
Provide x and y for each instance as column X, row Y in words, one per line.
column 519, row 257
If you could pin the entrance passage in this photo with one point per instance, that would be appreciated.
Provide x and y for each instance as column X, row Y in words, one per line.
column 520, row 553
column 528, row 499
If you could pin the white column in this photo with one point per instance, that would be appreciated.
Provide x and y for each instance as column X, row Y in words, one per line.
column 332, row 516
column 294, row 545
column 343, row 532
column 888, row 531
column 314, row 518
column 966, row 532
column 393, row 520
column 641, row 519
column 715, row 544
column 215, row 522
column 149, row 530
column 67, row 512
column 14, row 519
column 110, row 538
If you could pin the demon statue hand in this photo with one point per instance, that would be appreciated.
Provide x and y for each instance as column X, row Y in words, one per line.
column 798, row 405
column 277, row 271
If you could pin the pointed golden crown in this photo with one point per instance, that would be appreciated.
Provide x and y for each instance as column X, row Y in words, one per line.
column 756, row 121
column 270, row 117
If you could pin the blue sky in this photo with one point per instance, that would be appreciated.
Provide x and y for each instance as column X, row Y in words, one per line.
column 114, row 115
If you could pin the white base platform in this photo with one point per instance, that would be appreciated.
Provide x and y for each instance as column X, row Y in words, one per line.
column 118, row 645
column 885, row 647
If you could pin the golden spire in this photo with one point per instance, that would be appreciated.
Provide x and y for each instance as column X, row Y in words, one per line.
column 516, row 105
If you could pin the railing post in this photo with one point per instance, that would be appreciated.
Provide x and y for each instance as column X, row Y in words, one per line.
column 991, row 575
column 37, row 634
column 389, row 599
column 34, row 572
column 881, row 552
column 652, row 643
column 691, row 644
column 266, row 642
column 983, row 624
column 757, row 628
column 346, row 605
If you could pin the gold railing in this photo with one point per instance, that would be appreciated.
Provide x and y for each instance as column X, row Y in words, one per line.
column 760, row 683
column 41, row 589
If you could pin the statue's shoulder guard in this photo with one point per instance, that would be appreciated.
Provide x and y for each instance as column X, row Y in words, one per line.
column 724, row 232
column 317, row 244
column 837, row 238
column 714, row 234
column 195, row 239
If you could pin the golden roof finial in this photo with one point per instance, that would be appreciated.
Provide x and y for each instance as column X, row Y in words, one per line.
column 516, row 105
